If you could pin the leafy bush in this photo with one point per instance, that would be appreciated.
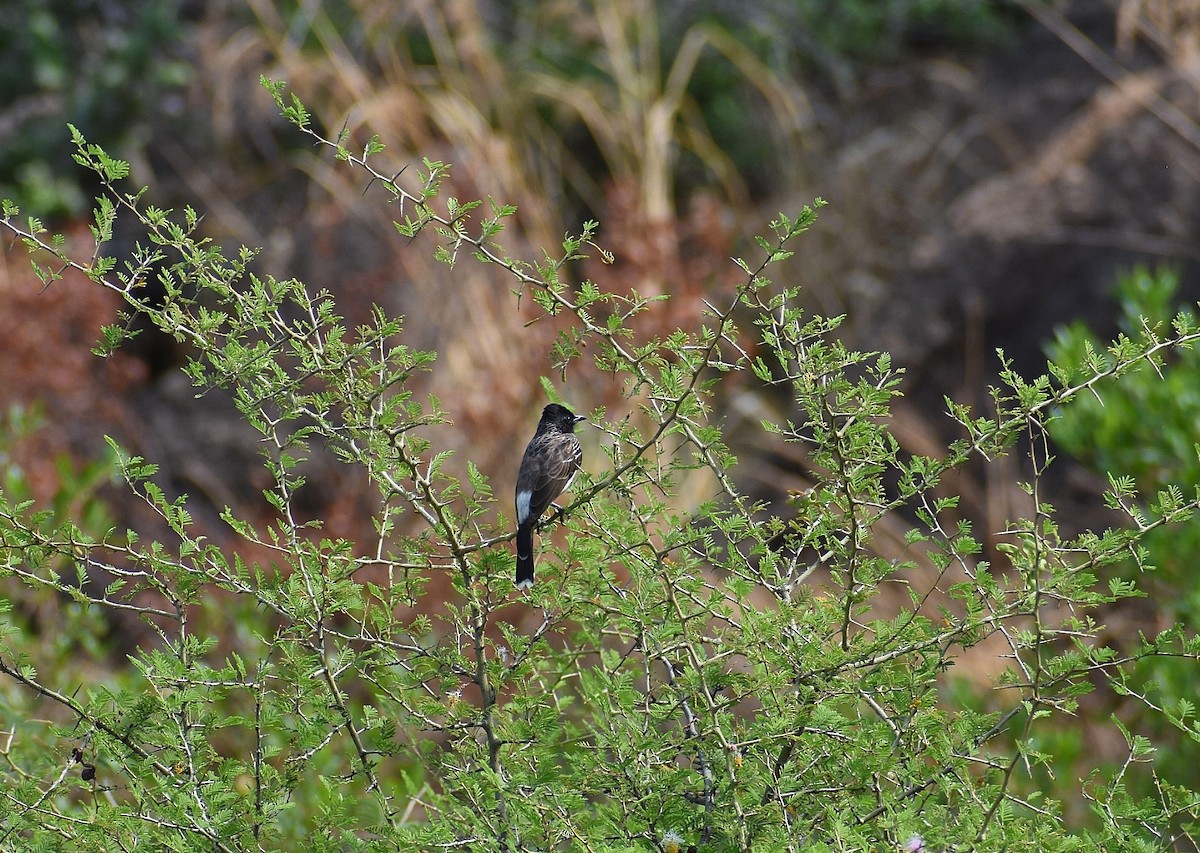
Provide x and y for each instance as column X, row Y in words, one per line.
column 1140, row 430
column 703, row 673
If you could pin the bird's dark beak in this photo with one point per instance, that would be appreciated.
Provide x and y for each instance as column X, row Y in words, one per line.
column 579, row 418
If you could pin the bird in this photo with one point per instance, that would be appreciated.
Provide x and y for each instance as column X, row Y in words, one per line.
column 550, row 462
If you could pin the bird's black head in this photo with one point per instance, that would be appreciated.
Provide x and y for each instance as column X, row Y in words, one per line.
column 560, row 418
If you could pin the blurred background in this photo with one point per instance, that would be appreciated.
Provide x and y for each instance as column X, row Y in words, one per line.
column 993, row 168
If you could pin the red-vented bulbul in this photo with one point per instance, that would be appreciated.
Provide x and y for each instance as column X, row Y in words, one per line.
column 551, row 460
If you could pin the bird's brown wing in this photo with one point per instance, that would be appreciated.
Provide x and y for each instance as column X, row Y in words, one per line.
column 550, row 462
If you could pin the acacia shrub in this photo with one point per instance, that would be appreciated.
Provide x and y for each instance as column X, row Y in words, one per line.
column 684, row 681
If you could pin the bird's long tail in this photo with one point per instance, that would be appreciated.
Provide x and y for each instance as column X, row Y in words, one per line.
column 525, row 556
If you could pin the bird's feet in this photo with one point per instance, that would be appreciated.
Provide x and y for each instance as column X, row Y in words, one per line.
column 556, row 517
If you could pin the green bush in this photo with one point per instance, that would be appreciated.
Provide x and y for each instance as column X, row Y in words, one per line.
column 1140, row 430
column 717, row 675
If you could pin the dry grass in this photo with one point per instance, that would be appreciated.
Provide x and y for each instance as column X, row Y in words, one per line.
column 497, row 115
